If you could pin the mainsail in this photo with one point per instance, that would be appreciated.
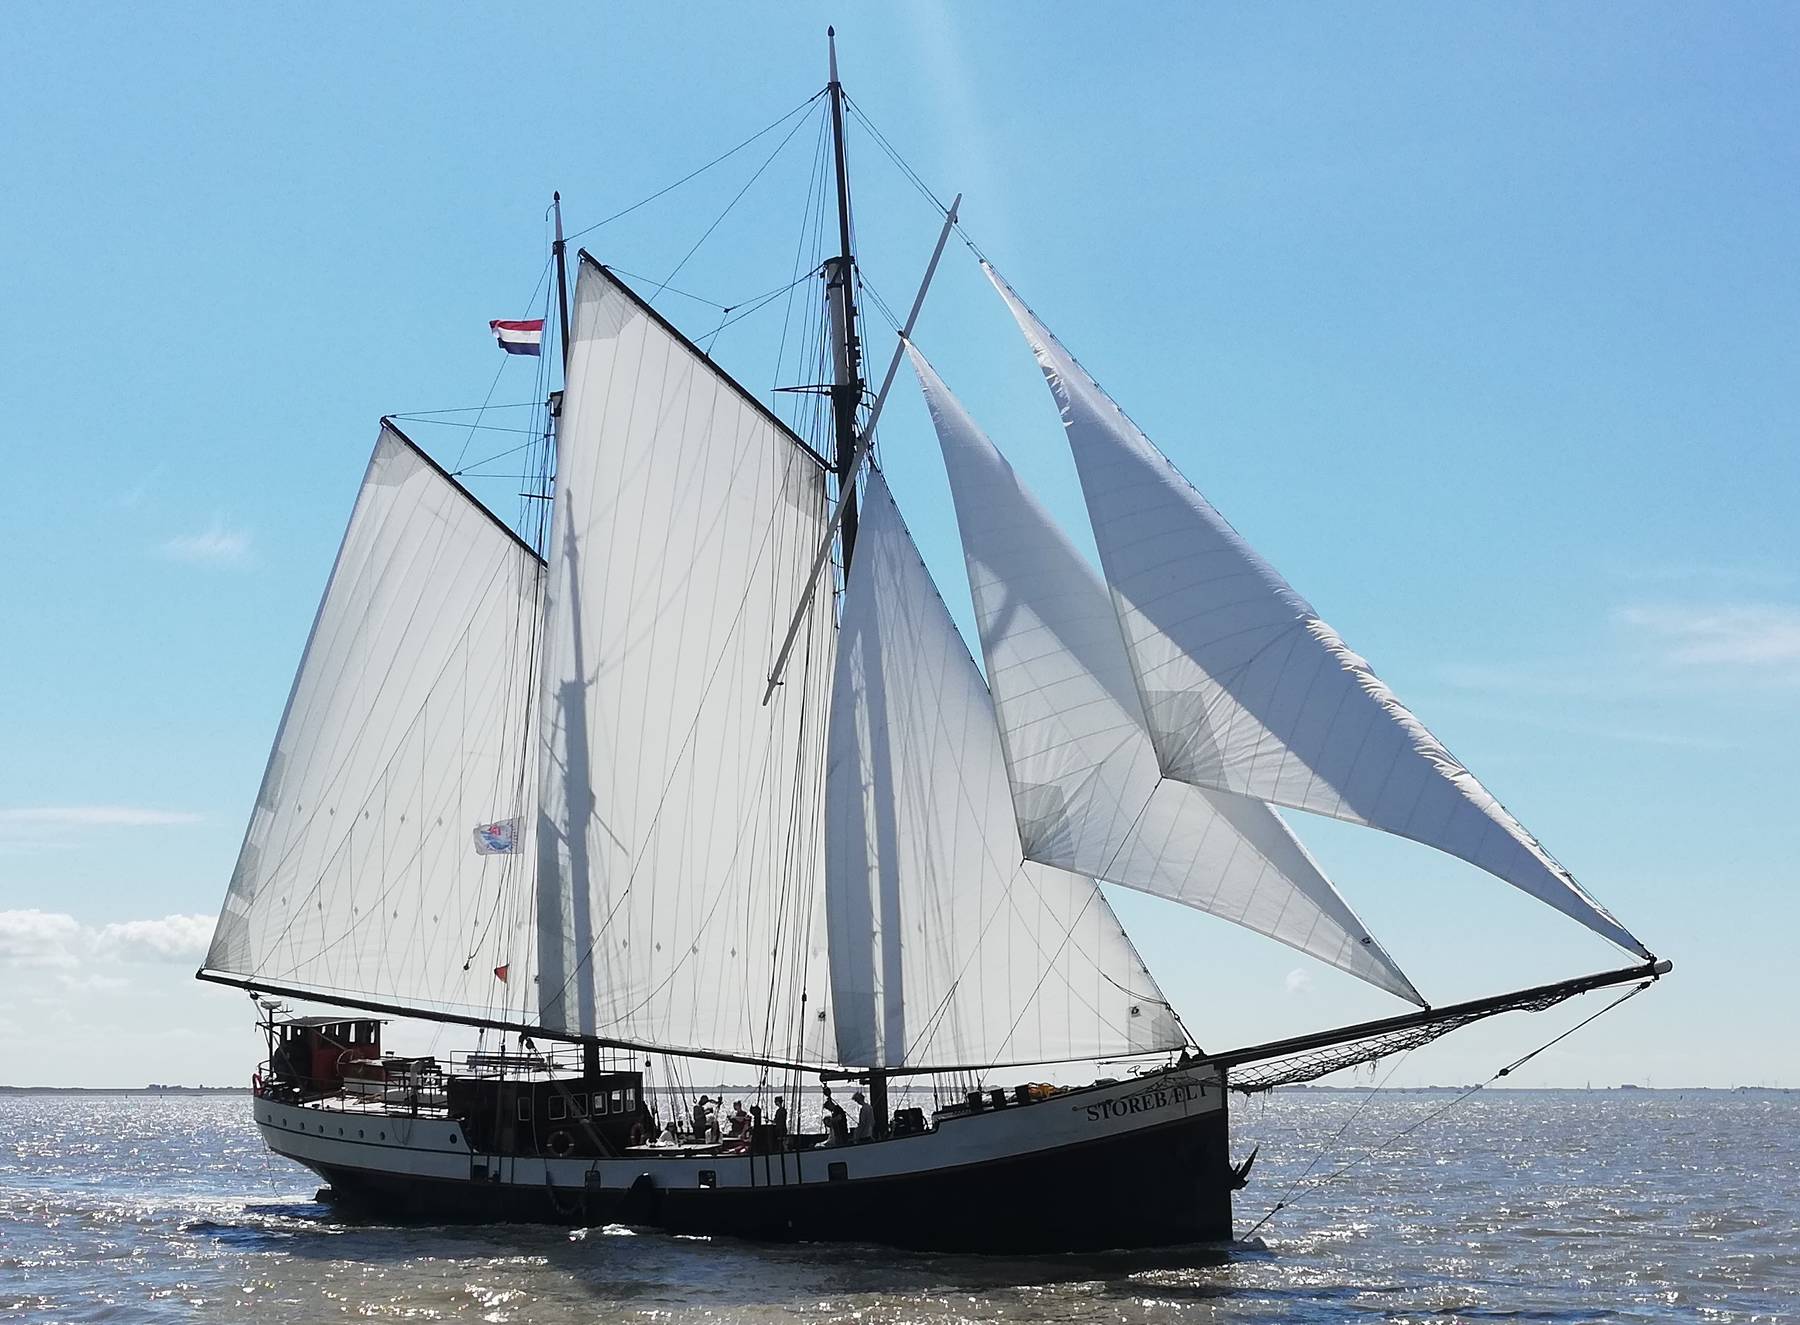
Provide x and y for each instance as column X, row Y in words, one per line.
column 1244, row 688
column 679, row 860
column 947, row 948
column 1085, row 782
column 406, row 729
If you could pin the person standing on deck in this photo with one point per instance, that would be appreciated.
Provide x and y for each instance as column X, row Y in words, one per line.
column 865, row 1119
column 780, row 1120
column 700, row 1120
column 837, row 1131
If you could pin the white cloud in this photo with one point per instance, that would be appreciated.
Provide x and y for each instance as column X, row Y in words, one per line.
column 56, row 941
column 42, row 939
column 92, row 816
column 172, row 937
column 219, row 545
column 1760, row 636
column 27, row 830
column 1299, row 981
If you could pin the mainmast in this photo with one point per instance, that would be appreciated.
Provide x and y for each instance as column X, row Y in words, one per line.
column 846, row 397
column 840, row 275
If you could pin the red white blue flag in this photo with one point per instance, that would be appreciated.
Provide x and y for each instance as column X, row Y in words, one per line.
column 520, row 337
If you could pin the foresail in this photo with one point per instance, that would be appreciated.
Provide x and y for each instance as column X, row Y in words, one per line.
column 1085, row 784
column 680, row 896
column 405, row 732
column 1244, row 688
column 946, row 948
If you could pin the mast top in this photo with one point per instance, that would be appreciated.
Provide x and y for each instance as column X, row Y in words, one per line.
column 831, row 40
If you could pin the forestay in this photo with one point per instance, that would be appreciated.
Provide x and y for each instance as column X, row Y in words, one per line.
column 947, row 948
column 1085, row 784
column 679, row 867
column 1244, row 688
column 405, row 731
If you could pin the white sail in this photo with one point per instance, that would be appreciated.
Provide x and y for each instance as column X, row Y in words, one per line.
column 1086, row 786
column 404, row 732
column 1245, row 689
column 946, row 947
column 679, row 846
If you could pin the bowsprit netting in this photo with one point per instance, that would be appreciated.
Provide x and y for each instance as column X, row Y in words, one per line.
column 1315, row 1063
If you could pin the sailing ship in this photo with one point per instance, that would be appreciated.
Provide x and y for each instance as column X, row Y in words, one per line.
column 698, row 769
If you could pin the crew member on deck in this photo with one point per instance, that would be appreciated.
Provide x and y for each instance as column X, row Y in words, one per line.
column 865, row 1119
column 837, row 1128
column 700, row 1121
column 780, row 1120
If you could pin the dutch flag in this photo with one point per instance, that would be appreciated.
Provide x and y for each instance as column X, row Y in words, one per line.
column 520, row 337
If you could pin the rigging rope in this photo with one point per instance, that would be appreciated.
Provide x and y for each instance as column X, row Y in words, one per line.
column 912, row 175
column 692, row 174
column 736, row 198
column 494, row 385
column 1285, row 1202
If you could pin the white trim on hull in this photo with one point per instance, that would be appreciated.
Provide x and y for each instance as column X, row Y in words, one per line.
column 1153, row 1144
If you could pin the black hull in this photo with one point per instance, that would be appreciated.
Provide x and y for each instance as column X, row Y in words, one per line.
column 1155, row 1187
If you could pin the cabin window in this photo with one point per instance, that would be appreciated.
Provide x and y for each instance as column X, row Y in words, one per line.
column 618, row 1101
column 838, row 1172
column 709, row 1177
column 558, row 1108
column 599, row 1102
column 578, row 1106
column 524, row 1108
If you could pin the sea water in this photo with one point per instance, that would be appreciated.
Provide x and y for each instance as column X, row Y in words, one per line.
column 1512, row 1205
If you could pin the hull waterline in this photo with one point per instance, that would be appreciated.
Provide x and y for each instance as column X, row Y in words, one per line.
column 1136, row 1164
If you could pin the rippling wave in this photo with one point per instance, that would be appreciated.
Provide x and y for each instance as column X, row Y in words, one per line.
column 1517, row 1206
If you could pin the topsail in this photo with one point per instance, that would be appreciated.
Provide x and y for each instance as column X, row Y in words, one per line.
column 1245, row 689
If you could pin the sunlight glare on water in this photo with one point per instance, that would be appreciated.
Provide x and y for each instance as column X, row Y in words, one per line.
column 1517, row 1205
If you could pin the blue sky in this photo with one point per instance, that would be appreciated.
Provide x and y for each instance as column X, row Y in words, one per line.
column 1481, row 323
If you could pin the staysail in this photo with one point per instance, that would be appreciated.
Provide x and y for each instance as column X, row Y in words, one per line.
column 946, row 948
column 1244, row 688
column 1085, row 782
column 405, row 731
column 679, row 856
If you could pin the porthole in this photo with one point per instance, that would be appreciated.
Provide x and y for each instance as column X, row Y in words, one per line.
column 359, row 1134
column 382, row 1135
column 453, row 1138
